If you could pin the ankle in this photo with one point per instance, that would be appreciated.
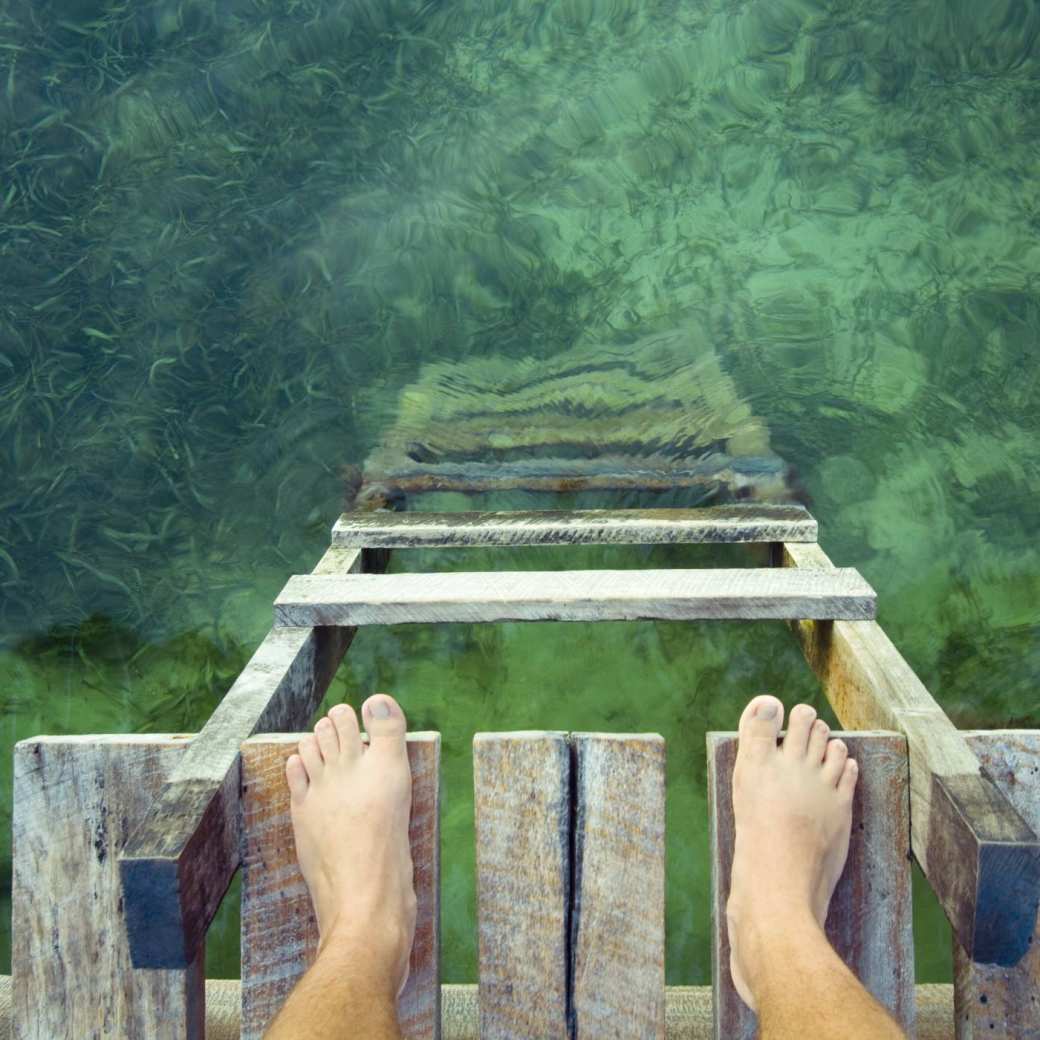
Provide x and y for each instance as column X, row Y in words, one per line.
column 374, row 951
column 770, row 936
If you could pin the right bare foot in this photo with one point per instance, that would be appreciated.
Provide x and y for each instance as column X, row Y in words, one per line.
column 792, row 808
column 350, row 812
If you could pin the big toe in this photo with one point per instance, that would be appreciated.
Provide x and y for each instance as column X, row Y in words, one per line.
column 760, row 726
column 384, row 722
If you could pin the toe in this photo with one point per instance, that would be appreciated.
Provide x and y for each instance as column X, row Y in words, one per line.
column 297, row 777
column 759, row 726
column 328, row 740
column 834, row 761
column 818, row 735
column 311, row 755
column 384, row 722
column 847, row 783
column 346, row 723
column 796, row 740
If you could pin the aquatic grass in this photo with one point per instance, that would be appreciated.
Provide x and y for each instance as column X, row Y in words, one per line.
column 232, row 231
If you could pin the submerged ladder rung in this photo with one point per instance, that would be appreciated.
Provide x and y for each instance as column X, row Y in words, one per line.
column 750, row 523
column 592, row 595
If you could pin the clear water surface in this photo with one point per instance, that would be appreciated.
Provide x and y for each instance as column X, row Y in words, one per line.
column 233, row 231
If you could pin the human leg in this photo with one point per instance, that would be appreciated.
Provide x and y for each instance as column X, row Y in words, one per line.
column 350, row 812
column 792, row 807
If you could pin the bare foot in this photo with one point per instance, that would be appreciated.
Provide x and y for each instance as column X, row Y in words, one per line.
column 792, row 807
column 350, row 812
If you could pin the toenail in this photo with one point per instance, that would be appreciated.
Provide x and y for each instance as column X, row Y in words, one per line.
column 379, row 710
column 324, row 723
column 766, row 710
column 339, row 709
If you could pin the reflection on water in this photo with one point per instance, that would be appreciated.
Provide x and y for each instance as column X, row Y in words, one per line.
column 219, row 289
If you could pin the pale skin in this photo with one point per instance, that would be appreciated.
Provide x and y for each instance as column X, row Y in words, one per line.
column 792, row 804
column 350, row 809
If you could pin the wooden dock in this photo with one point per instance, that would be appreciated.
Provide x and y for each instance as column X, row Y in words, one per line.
column 154, row 828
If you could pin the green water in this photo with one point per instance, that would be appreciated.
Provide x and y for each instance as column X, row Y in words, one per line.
column 231, row 231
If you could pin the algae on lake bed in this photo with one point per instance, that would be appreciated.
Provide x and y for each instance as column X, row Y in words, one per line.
column 232, row 233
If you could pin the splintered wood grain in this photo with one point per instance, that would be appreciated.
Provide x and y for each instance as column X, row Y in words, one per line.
column 966, row 835
column 279, row 932
column 990, row 1001
column 76, row 799
column 607, row 595
column 617, row 917
column 736, row 523
column 869, row 923
column 522, row 808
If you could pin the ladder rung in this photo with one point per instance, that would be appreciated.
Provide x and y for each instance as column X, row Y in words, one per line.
column 740, row 523
column 468, row 596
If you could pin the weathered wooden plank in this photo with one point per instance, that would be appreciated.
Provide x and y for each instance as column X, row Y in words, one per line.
column 179, row 861
column 75, row 801
column 1003, row 1003
column 735, row 523
column 870, row 921
column 522, row 809
column 617, row 914
column 687, row 1011
column 656, row 473
column 393, row 599
column 279, row 932
column 968, row 838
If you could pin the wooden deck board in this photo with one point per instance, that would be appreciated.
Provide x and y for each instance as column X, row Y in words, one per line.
column 522, row 815
column 617, row 916
column 870, row 920
column 967, row 837
column 76, row 799
column 606, row 595
column 279, row 932
column 751, row 523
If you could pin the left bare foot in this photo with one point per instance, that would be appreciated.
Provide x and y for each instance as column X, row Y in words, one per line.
column 350, row 813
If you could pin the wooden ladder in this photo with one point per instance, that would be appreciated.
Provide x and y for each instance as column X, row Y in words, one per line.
column 153, row 829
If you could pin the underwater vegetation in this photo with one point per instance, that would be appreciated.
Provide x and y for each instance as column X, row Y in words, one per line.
column 236, row 235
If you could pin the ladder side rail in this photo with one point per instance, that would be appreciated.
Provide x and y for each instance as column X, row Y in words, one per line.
column 991, row 1001
column 980, row 856
column 179, row 860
